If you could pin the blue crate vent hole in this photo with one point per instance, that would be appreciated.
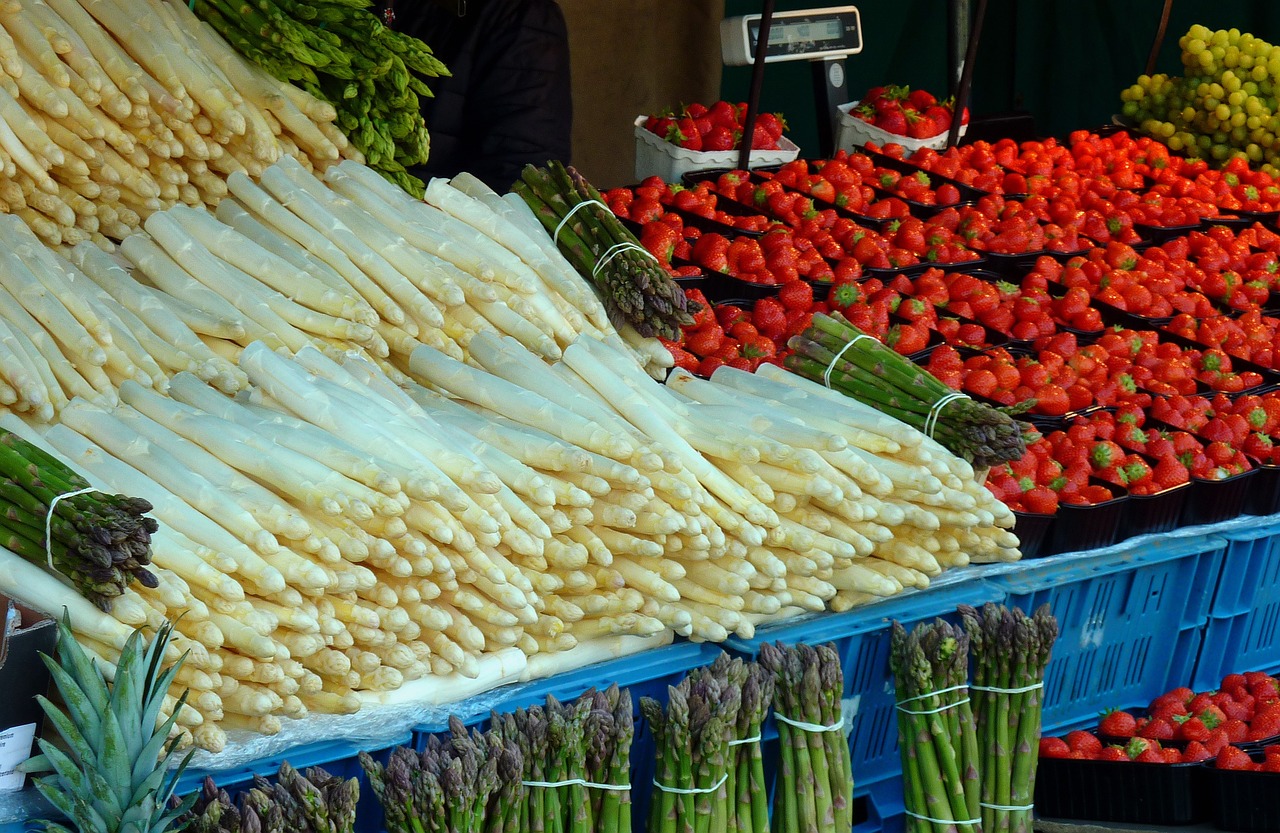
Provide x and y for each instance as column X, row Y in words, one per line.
column 1131, row 624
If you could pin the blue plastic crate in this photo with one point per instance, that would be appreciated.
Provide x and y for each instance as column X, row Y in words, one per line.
column 339, row 758
column 1131, row 623
column 1243, row 632
column 646, row 674
column 861, row 637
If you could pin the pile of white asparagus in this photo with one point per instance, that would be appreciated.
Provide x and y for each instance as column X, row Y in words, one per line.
column 111, row 110
column 388, row 440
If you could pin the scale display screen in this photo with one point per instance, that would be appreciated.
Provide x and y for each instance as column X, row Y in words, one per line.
column 806, row 34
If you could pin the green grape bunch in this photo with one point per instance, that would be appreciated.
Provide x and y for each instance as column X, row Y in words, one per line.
column 1223, row 106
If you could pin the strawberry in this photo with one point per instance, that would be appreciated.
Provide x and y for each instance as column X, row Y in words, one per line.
column 772, row 123
column 1195, row 752
column 719, row 138
column 1054, row 748
column 1217, row 741
column 770, row 317
column 843, row 294
column 1171, row 756
column 722, row 114
column 1158, row 728
column 709, row 365
column 1191, row 728
column 1234, row 758
column 704, row 342
column 1083, row 741
column 1140, row 746
column 760, row 347
column 1151, row 756
column 797, row 295
column 1113, row 753
column 892, row 121
column 1237, row 730
column 1118, row 724
column 685, row 134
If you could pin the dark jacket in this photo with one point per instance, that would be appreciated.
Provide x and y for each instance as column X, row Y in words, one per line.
column 508, row 102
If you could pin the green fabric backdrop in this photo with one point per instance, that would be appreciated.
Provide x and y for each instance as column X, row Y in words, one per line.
column 1063, row 61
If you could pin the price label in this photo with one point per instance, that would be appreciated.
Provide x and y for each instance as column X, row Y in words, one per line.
column 15, row 749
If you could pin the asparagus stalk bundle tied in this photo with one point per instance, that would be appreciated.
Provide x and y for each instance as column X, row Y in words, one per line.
column 937, row 736
column 1010, row 652
column 577, row 764
column 314, row 802
column 634, row 287
column 340, row 52
column 750, row 793
column 463, row 783
column 694, row 755
column 99, row 542
column 816, row 788
column 836, row 353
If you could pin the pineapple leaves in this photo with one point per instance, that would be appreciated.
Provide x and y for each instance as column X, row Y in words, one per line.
column 70, row 733
column 77, row 663
column 80, row 706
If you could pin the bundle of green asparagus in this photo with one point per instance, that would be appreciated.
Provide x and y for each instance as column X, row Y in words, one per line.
column 838, row 354
column 936, row 732
column 1010, row 652
column 750, row 793
column 815, row 792
column 99, row 542
column 466, row 783
column 633, row 286
column 316, row 802
column 694, row 757
column 340, row 52
column 577, row 763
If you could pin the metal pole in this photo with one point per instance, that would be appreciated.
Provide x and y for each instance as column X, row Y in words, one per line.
column 958, row 12
column 757, row 80
column 966, row 76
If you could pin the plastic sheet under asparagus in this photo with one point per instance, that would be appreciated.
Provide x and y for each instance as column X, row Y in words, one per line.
column 113, row 109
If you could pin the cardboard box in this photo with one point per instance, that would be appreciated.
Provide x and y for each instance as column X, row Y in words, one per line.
column 24, row 635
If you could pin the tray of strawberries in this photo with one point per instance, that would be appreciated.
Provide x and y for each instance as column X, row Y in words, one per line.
column 1243, row 791
column 1138, row 782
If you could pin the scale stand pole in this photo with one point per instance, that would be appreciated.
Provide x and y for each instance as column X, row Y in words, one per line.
column 830, row 90
column 757, row 81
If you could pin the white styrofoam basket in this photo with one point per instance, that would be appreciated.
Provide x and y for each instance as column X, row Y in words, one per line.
column 657, row 157
column 853, row 132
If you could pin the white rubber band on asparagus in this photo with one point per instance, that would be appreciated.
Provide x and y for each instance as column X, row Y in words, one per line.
column 556, row 237
column 943, row 821
column 617, row 249
column 576, row 781
column 1022, row 690
column 899, row 706
column 744, row 741
column 810, row 727
column 48, row 523
column 931, row 421
column 693, row 790
column 1006, row 807
column 826, row 374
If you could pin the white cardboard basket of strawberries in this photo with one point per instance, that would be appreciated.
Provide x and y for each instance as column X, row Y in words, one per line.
column 915, row 120
column 669, row 146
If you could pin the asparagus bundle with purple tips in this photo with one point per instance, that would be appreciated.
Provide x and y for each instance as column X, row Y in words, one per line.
column 694, row 757
column 630, row 282
column 836, row 353
column 936, row 732
column 98, row 542
column 815, row 792
column 751, row 793
column 1010, row 652
column 459, row 784
column 310, row 802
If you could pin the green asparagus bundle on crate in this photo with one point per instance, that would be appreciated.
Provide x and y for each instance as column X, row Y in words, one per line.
column 1010, row 653
column 577, row 764
column 98, row 542
column 815, row 787
column 467, row 782
column 750, row 794
column 937, row 736
column 314, row 802
column 340, row 52
column 694, row 753
column 834, row 352
column 634, row 288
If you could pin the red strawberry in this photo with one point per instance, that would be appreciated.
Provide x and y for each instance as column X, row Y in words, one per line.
column 1192, row 728
column 1237, row 730
column 684, row 359
column 797, row 295
column 1195, row 752
column 1113, row 753
column 1118, row 724
column 770, row 317
column 1158, row 728
column 1083, row 741
column 685, row 134
column 1054, row 748
column 1234, row 758
column 704, row 342
column 1151, row 756
column 1140, row 746
column 1217, row 741
column 709, row 365
column 719, row 138
column 1171, row 756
